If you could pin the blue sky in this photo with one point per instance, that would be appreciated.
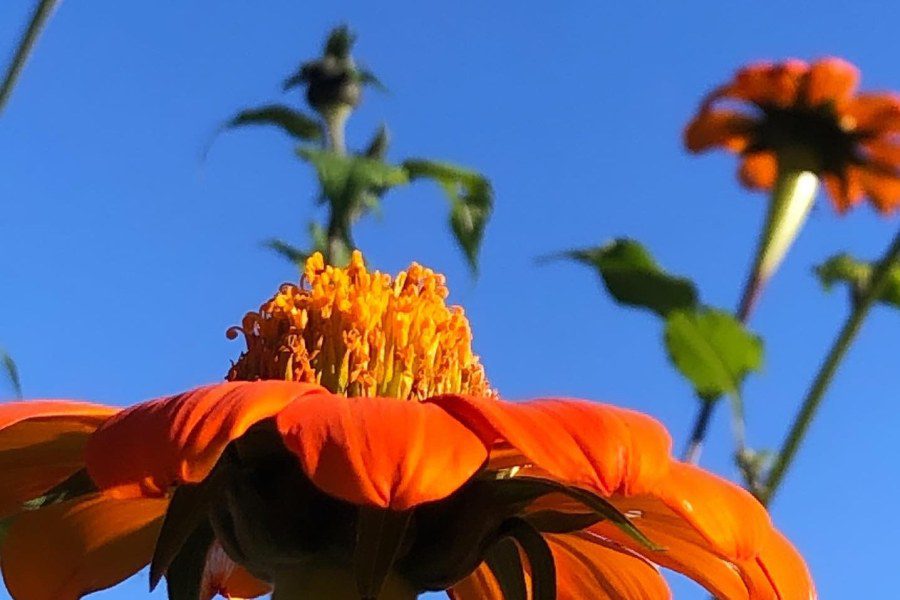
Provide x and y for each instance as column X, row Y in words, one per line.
column 125, row 257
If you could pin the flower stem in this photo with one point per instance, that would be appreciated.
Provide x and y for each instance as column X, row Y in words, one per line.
column 792, row 198
column 336, row 250
column 38, row 19
column 861, row 306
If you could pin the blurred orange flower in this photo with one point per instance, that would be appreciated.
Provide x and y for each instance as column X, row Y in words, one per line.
column 849, row 139
column 243, row 486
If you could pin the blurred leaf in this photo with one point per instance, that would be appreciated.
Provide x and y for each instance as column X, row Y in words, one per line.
column 843, row 268
column 366, row 77
column 293, row 122
column 352, row 182
column 633, row 277
column 339, row 43
column 292, row 253
column 11, row 372
column 471, row 200
column 378, row 147
column 39, row 18
column 712, row 350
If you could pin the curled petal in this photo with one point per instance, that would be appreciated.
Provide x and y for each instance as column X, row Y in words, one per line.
column 41, row 445
column 600, row 447
column 380, row 451
column 149, row 447
column 726, row 515
column 785, row 568
column 719, row 128
column 67, row 550
column 831, row 80
column 759, row 170
column 591, row 567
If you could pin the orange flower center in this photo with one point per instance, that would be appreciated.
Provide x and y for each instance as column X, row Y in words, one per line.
column 361, row 333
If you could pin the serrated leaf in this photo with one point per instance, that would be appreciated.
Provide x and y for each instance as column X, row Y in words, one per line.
column 632, row 276
column 843, row 268
column 11, row 372
column 712, row 349
column 293, row 122
column 471, row 200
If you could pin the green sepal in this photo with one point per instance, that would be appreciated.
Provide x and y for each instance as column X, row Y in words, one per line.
column 505, row 563
column 380, row 534
column 293, row 122
column 184, row 576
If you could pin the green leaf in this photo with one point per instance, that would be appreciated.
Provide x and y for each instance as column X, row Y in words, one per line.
column 9, row 369
column 471, row 200
column 633, row 277
column 287, row 251
column 712, row 350
column 843, row 268
column 351, row 182
column 291, row 121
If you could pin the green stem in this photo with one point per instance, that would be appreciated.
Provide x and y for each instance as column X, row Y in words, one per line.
column 38, row 19
column 335, row 119
column 861, row 307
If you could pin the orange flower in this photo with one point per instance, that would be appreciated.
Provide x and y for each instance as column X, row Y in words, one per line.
column 810, row 110
column 237, row 486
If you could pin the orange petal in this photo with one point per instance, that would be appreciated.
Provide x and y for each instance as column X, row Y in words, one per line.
column 872, row 114
column 719, row 128
column 480, row 585
column 785, row 568
column 601, row 447
column 149, row 447
column 883, row 190
column 768, row 84
column 726, row 515
column 222, row 576
column 41, row 445
column 831, row 80
column 67, row 550
column 883, row 151
column 591, row 567
column 759, row 170
column 846, row 191
column 380, row 452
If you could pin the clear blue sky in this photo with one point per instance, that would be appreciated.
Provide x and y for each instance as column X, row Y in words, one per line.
column 124, row 258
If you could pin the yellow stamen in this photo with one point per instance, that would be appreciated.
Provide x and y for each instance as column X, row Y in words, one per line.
column 362, row 334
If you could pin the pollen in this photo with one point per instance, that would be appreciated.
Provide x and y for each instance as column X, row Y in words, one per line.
column 362, row 333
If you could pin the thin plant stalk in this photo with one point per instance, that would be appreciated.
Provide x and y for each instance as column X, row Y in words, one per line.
column 792, row 199
column 38, row 20
column 862, row 304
